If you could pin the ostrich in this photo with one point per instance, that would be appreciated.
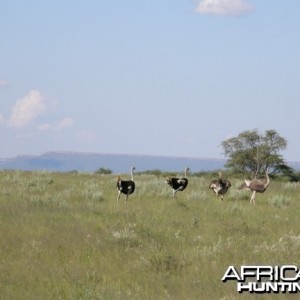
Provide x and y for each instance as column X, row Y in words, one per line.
column 256, row 186
column 220, row 186
column 178, row 184
column 125, row 186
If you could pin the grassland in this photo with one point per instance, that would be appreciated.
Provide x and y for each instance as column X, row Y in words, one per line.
column 62, row 236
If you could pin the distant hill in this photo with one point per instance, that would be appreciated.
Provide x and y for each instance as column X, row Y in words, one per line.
column 118, row 163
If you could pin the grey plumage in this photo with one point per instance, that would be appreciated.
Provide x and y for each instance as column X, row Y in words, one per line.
column 220, row 186
column 256, row 186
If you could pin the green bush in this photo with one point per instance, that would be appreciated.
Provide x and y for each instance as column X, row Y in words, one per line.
column 104, row 171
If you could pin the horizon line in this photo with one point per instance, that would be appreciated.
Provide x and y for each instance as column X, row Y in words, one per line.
column 110, row 153
column 122, row 154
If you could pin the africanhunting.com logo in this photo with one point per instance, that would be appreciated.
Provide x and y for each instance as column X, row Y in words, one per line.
column 265, row 279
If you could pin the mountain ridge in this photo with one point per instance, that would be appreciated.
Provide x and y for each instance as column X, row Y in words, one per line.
column 66, row 161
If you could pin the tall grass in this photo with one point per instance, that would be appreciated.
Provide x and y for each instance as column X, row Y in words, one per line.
column 63, row 236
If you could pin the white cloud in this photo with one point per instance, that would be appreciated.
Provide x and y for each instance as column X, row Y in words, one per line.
column 43, row 127
column 66, row 122
column 1, row 119
column 27, row 109
column 225, row 7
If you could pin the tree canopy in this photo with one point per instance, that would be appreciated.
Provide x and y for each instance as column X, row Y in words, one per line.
column 253, row 152
column 104, row 171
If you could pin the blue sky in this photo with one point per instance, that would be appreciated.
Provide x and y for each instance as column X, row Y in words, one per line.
column 147, row 77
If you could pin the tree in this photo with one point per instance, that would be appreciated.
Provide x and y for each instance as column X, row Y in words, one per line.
column 288, row 172
column 253, row 152
column 104, row 171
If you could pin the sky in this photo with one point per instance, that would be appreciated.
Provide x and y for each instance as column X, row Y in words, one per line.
column 156, row 77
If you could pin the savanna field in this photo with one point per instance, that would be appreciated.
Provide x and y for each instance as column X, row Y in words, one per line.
column 63, row 236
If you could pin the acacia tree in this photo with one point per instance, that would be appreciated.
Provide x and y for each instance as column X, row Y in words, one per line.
column 253, row 152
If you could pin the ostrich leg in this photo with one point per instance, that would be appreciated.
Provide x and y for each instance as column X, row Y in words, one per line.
column 252, row 199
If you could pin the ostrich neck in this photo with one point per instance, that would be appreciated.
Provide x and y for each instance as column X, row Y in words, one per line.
column 268, row 179
column 185, row 172
column 132, row 174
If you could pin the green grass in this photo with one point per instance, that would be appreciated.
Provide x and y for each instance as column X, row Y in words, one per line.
column 62, row 236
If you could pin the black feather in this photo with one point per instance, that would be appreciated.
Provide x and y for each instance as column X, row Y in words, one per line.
column 126, row 187
column 177, row 183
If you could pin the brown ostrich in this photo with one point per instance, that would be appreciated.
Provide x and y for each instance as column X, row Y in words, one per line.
column 256, row 186
column 220, row 186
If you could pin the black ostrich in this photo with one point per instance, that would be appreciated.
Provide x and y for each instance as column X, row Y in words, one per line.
column 178, row 184
column 126, row 187
column 220, row 186
column 256, row 186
